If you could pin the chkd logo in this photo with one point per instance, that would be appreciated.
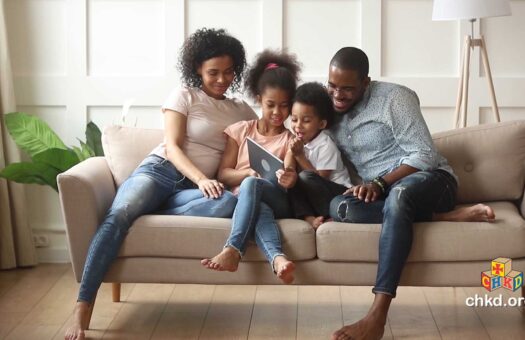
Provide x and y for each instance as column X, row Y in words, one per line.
column 501, row 275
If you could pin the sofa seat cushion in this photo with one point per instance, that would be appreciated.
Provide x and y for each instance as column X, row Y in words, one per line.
column 433, row 241
column 202, row 237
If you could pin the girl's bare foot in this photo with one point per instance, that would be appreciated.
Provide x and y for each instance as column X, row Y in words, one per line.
column 315, row 222
column 475, row 213
column 79, row 324
column 284, row 269
column 227, row 260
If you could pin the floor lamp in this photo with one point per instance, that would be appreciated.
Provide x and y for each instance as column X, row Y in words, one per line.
column 471, row 10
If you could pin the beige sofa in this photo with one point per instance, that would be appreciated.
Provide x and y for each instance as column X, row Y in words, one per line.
column 488, row 159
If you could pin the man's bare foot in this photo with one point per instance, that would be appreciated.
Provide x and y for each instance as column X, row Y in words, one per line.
column 368, row 328
column 315, row 222
column 227, row 260
column 475, row 213
column 79, row 324
column 284, row 269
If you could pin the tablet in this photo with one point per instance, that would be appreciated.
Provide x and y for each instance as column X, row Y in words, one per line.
column 263, row 161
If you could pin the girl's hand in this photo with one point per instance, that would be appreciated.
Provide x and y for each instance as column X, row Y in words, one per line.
column 211, row 188
column 287, row 177
column 297, row 147
column 252, row 173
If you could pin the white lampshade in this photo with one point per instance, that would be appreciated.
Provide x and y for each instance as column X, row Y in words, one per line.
column 469, row 9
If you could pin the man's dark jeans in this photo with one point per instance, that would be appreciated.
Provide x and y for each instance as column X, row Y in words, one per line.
column 413, row 198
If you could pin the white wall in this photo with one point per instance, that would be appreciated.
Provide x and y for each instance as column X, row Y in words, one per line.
column 80, row 60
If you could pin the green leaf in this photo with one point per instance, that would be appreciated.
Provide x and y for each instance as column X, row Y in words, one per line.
column 38, row 173
column 31, row 133
column 86, row 150
column 78, row 152
column 57, row 158
column 93, row 138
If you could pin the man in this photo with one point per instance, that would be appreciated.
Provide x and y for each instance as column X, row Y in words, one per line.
column 380, row 129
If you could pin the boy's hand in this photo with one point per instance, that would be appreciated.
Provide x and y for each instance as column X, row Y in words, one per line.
column 297, row 147
column 287, row 177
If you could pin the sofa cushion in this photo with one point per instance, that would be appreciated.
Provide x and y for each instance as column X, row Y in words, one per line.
column 201, row 237
column 125, row 147
column 488, row 159
column 433, row 241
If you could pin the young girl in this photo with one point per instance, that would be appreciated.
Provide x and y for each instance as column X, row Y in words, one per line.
column 178, row 176
column 272, row 82
column 323, row 175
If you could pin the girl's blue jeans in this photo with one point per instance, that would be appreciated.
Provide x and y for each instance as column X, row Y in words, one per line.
column 259, row 204
column 411, row 199
column 155, row 186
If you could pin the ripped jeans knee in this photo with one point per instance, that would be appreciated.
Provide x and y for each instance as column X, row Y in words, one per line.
column 349, row 209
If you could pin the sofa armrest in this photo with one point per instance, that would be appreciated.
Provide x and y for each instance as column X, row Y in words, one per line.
column 86, row 193
column 523, row 206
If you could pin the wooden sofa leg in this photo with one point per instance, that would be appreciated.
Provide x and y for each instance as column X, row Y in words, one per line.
column 116, row 292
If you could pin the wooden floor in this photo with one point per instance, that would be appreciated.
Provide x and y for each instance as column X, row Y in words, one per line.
column 36, row 304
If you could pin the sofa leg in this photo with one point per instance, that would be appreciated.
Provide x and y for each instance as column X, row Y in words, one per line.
column 116, row 292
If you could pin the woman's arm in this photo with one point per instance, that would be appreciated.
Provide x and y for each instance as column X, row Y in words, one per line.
column 227, row 172
column 175, row 132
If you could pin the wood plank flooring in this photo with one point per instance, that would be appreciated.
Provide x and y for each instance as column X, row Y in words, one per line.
column 37, row 303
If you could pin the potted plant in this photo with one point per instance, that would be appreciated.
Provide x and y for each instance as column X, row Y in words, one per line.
column 49, row 155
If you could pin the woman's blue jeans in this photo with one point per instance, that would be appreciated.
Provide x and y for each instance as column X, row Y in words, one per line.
column 258, row 205
column 155, row 186
column 413, row 198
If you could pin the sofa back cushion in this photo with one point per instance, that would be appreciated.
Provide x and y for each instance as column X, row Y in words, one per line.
column 125, row 147
column 488, row 159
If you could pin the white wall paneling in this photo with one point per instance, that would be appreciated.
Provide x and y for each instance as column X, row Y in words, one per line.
column 315, row 41
column 147, row 117
column 80, row 60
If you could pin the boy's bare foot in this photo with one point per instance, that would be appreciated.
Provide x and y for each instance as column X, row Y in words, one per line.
column 284, row 269
column 367, row 328
column 315, row 222
column 475, row 213
column 227, row 260
column 80, row 314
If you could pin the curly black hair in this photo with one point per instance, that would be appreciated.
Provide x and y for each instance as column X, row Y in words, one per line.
column 314, row 94
column 207, row 43
column 273, row 69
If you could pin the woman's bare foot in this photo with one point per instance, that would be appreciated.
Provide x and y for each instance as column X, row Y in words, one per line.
column 79, row 324
column 475, row 213
column 227, row 260
column 284, row 269
column 315, row 222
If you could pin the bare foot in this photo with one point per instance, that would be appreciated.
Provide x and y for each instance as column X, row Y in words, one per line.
column 315, row 222
column 368, row 328
column 284, row 269
column 227, row 260
column 80, row 314
column 475, row 213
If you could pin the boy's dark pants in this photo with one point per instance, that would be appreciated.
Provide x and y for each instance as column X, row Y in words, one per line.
column 312, row 194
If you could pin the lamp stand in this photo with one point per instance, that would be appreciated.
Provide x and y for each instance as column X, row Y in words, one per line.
column 462, row 100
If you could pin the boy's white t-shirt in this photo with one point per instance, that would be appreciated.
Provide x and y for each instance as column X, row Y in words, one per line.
column 324, row 155
column 207, row 118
